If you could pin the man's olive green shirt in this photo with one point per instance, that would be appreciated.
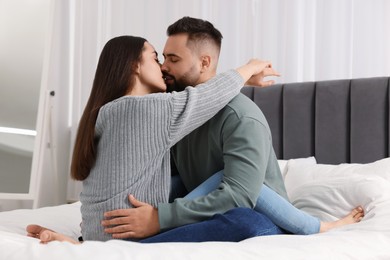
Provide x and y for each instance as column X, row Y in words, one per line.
column 237, row 140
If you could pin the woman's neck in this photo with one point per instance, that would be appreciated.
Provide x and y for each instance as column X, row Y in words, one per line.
column 138, row 89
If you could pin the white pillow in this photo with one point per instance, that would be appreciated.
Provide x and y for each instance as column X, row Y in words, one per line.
column 283, row 164
column 300, row 173
column 333, row 199
column 331, row 191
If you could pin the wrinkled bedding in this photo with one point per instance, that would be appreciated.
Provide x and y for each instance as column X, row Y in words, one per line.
column 326, row 191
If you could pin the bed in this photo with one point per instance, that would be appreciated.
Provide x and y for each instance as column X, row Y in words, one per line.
column 332, row 141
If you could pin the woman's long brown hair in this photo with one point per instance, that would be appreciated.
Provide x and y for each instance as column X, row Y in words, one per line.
column 113, row 79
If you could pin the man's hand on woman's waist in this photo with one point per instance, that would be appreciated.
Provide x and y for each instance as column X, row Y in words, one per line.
column 138, row 222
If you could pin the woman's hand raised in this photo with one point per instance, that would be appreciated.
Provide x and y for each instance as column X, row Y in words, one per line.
column 255, row 71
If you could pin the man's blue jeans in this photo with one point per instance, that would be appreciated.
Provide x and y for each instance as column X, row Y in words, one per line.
column 233, row 226
column 236, row 224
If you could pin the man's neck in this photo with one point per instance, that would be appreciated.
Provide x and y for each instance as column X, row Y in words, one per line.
column 206, row 76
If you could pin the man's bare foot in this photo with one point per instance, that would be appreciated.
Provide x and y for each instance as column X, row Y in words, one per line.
column 47, row 235
column 355, row 216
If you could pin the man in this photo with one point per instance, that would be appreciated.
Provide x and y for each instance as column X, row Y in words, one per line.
column 237, row 140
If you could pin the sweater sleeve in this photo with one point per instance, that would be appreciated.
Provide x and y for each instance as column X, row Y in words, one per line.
column 195, row 105
column 245, row 154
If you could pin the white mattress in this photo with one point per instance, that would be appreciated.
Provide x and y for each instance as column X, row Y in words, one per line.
column 323, row 194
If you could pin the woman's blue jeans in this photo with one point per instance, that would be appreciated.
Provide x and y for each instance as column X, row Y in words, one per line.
column 275, row 207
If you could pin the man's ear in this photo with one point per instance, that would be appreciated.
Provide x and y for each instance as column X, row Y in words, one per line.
column 206, row 61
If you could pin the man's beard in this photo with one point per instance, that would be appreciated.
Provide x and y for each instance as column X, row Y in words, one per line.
column 190, row 78
column 176, row 86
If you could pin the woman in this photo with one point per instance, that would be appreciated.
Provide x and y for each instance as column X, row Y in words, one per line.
column 129, row 124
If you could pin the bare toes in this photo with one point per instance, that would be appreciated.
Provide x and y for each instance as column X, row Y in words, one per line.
column 358, row 217
column 49, row 236
column 357, row 214
column 34, row 229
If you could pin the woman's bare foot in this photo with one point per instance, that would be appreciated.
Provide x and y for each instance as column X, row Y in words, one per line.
column 355, row 216
column 47, row 235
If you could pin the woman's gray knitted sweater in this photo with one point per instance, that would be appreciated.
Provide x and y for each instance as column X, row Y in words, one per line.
column 134, row 137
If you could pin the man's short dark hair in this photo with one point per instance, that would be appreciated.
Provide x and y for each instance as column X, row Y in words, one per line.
column 197, row 30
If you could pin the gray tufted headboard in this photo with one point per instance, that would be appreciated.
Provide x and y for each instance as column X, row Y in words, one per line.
column 338, row 121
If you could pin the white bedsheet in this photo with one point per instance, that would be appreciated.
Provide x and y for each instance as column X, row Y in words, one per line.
column 369, row 239
column 351, row 243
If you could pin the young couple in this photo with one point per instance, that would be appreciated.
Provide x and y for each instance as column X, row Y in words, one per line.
column 221, row 146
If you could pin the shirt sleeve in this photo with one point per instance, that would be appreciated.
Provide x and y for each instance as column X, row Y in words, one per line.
column 195, row 105
column 246, row 151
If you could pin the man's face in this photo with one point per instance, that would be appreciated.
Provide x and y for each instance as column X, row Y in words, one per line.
column 181, row 67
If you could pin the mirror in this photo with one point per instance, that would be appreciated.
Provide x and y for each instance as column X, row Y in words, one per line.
column 23, row 28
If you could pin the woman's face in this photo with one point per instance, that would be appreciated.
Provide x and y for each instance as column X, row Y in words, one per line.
column 150, row 73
